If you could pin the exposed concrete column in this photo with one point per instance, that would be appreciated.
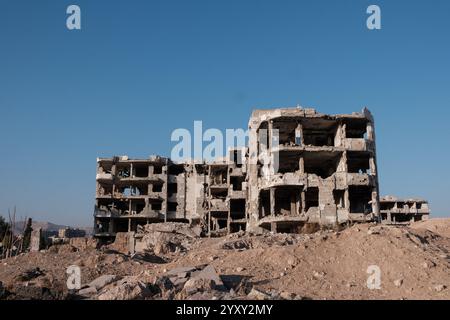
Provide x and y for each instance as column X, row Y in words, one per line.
column 273, row 226
column 370, row 131
column 301, row 164
column 272, row 201
column 270, row 146
column 303, row 200
column 347, row 200
column 293, row 205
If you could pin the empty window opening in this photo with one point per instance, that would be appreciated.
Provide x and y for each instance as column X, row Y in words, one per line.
column 358, row 162
column 400, row 205
column 236, row 227
column 287, row 200
column 264, row 203
column 172, row 188
column 418, row 206
column 219, row 176
column 237, row 209
column 319, row 132
column 387, row 206
column 288, row 162
column 401, row 217
column 360, row 198
column 221, row 223
column 157, row 187
column 137, row 207
column 105, row 168
column 286, row 131
column 356, row 129
column 237, row 183
column 311, row 198
column 237, row 158
column 141, row 171
column 176, row 169
column 289, row 227
column 105, row 190
column 123, row 172
column 157, row 169
column 323, row 164
column 219, row 194
column 172, row 206
column 339, row 198
column 121, row 225
column 156, row 206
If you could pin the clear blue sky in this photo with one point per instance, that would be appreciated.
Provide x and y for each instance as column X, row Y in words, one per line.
column 139, row 69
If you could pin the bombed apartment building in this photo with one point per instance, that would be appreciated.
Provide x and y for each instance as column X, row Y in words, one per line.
column 132, row 192
column 300, row 167
column 321, row 169
column 394, row 210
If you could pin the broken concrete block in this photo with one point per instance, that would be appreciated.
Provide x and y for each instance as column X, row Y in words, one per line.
column 89, row 291
column 256, row 294
column 103, row 281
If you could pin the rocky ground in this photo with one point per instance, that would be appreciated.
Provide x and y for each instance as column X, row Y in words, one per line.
column 414, row 263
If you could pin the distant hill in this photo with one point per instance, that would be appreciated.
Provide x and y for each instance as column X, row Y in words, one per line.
column 47, row 226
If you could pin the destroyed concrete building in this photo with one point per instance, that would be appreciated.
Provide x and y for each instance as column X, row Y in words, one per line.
column 300, row 167
column 394, row 210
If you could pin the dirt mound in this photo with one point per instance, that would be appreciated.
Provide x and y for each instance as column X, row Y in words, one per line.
column 413, row 262
column 438, row 226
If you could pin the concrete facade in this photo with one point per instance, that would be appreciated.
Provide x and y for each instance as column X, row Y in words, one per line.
column 300, row 167
column 403, row 211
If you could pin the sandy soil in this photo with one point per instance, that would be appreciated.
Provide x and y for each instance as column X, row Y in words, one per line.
column 414, row 262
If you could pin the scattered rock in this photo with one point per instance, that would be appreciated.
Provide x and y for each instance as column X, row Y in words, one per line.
column 240, row 269
column 30, row 274
column 428, row 264
column 256, row 294
column 439, row 287
column 129, row 288
column 103, row 281
column 398, row 283
column 89, row 291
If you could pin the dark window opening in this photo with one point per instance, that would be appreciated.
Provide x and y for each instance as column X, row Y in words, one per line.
column 123, row 172
column 311, row 198
column 323, row 164
column 157, row 187
column 219, row 176
column 387, row 205
column 287, row 200
column 236, row 227
column 264, row 203
column 141, row 171
column 237, row 182
column 156, row 206
column 237, row 158
column 418, row 205
column 356, row 129
column 401, row 217
column 157, row 169
column 319, row 132
column 172, row 188
column 360, row 198
column 358, row 162
column 288, row 162
column 237, row 208
column 176, row 169
column 339, row 198
column 121, row 225
column 172, row 206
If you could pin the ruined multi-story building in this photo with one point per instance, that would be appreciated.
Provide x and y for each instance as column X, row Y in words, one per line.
column 299, row 167
column 403, row 211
